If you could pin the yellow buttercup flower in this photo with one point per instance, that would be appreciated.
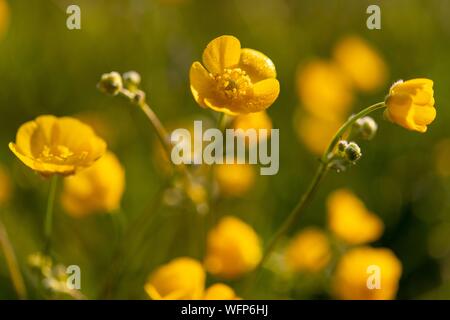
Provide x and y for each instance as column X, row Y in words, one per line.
column 257, row 121
column 51, row 145
column 410, row 104
column 353, row 273
column 181, row 279
column 350, row 220
column 99, row 188
column 5, row 186
column 324, row 90
column 220, row 291
column 361, row 62
column 233, row 80
column 315, row 132
column 234, row 180
column 233, row 248
column 309, row 250
column 4, row 17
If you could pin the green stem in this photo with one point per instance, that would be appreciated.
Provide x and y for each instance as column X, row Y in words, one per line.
column 11, row 262
column 313, row 186
column 223, row 121
column 161, row 132
column 209, row 219
column 346, row 126
column 48, row 223
column 159, row 128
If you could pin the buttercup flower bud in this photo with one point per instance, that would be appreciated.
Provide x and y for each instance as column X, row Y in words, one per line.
column 342, row 145
column 110, row 83
column 366, row 127
column 352, row 152
column 410, row 104
column 131, row 80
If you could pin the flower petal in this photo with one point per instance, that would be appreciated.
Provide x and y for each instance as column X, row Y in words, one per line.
column 222, row 52
column 23, row 137
column 219, row 106
column 257, row 65
column 424, row 115
column 33, row 135
column 79, row 138
column 201, row 83
column 41, row 167
column 264, row 94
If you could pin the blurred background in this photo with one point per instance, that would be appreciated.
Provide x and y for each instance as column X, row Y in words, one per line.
column 403, row 177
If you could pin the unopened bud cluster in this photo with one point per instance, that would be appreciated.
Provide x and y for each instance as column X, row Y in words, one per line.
column 347, row 153
column 366, row 128
column 113, row 83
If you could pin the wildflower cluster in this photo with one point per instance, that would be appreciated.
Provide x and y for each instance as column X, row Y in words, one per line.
column 344, row 252
column 240, row 84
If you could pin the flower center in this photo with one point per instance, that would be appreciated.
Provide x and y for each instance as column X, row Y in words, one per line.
column 58, row 152
column 233, row 83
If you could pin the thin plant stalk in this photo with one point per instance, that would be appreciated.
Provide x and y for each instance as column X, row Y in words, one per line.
column 48, row 222
column 159, row 128
column 154, row 120
column 11, row 262
column 323, row 168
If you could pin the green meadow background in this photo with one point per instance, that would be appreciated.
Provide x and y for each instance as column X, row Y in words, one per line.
column 47, row 69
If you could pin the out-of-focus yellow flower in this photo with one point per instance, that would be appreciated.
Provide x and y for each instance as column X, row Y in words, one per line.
column 5, row 186
column 234, row 180
column 197, row 192
column 316, row 133
column 324, row 90
column 233, row 248
column 361, row 62
column 350, row 220
column 97, row 189
column 257, row 121
column 442, row 157
column 351, row 277
column 4, row 17
column 235, row 80
column 51, row 145
column 309, row 250
column 220, row 291
column 181, row 279
column 410, row 104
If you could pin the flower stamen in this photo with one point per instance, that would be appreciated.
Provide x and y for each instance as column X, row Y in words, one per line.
column 233, row 83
